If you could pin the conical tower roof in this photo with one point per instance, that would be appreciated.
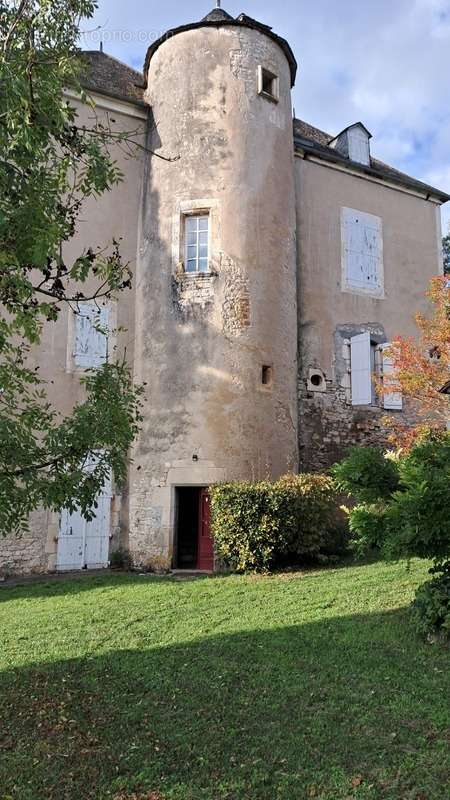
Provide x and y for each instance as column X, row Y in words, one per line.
column 216, row 19
column 217, row 15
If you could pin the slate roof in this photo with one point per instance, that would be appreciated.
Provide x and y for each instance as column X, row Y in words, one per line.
column 112, row 77
column 109, row 76
column 313, row 141
column 217, row 15
column 218, row 18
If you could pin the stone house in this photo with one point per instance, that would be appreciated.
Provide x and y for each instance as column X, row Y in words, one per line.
column 273, row 263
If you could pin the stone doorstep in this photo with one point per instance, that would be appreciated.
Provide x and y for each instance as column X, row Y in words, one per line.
column 191, row 572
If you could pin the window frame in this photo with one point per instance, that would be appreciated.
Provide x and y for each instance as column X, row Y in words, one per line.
column 378, row 365
column 197, row 215
column 98, row 317
column 267, row 378
column 375, row 223
column 274, row 95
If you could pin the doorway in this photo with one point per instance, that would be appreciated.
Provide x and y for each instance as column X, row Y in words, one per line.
column 83, row 544
column 194, row 549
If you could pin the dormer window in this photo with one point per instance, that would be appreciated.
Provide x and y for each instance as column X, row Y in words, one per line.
column 268, row 84
column 354, row 143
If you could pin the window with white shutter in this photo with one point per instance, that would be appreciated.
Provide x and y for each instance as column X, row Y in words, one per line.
column 91, row 342
column 361, row 369
column 358, row 145
column 391, row 399
column 362, row 252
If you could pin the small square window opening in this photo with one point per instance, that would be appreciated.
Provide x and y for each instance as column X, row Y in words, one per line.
column 266, row 376
column 196, row 233
column 268, row 84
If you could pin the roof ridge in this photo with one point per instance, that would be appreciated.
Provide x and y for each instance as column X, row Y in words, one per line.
column 112, row 58
column 317, row 142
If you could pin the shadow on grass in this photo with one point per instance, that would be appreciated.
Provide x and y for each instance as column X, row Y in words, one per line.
column 294, row 712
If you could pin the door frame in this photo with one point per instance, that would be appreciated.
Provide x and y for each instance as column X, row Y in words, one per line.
column 82, row 565
column 107, row 494
column 175, row 517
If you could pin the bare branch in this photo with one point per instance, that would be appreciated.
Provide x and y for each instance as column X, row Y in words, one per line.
column 20, row 12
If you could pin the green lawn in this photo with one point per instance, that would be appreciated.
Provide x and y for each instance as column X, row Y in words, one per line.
column 282, row 688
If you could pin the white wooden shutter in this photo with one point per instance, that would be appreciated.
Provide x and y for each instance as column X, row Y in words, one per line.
column 361, row 372
column 358, row 145
column 91, row 345
column 362, row 250
column 392, row 400
column 100, row 340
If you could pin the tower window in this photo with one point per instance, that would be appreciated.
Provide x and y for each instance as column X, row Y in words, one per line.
column 268, row 84
column 196, row 234
column 266, row 376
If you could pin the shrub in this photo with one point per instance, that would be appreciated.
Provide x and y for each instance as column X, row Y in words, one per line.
column 245, row 524
column 418, row 515
column 431, row 607
column 411, row 520
column 366, row 474
column 368, row 523
column 121, row 559
column 309, row 501
column 336, row 543
column 256, row 524
column 402, row 509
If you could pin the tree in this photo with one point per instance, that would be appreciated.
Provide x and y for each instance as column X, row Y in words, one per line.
column 421, row 368
column 49, row 165
column 446, row 253
column 401, row 510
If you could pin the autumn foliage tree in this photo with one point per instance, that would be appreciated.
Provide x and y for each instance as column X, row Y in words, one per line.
column 446, row 253
column 421, row 368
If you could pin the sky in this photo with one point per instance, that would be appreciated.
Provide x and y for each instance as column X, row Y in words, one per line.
column 385, row 63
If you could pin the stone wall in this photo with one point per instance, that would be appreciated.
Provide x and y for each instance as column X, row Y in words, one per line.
column 329, row 425
column 26, row 553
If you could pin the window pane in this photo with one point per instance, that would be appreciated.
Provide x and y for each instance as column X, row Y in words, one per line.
column 192, row 252
column 191, row 266
column 192, row 238
column 203, row 264
column 203, row 237
column 203, row 251
column 203, row 223
column 191, row 223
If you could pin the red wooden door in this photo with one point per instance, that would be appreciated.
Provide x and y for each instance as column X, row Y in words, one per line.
column 205, row 542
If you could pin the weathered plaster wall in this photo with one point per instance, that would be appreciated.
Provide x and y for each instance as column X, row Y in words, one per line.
column 114, row 216
column 201, row 342
column 328, row 424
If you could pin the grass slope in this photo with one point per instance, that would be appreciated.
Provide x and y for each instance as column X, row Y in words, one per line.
column 280, row 688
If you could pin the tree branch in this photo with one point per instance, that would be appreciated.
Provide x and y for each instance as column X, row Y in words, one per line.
column 19, row 14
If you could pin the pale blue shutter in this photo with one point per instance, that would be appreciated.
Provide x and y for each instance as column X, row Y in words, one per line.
column 91, row 344
column 363, row 250
column 361, row 372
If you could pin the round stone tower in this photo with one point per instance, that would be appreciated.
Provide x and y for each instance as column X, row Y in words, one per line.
column 216, row 308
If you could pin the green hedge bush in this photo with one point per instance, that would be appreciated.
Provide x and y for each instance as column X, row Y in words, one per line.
column 402, row 503
column 367, row 475
column 402, row 509
column 255, row 525
column 431, row 607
